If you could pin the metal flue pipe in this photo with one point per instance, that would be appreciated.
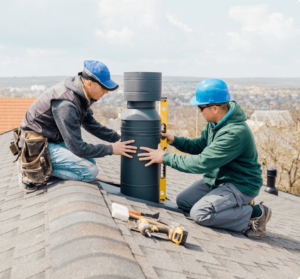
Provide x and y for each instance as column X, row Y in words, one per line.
column 141, row 123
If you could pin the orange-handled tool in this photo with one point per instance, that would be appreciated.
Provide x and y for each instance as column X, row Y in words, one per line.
column 154, row 216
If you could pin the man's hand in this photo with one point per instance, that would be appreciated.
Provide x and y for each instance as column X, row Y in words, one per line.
column 121, row 148
column 154, row 155
column 170, row 137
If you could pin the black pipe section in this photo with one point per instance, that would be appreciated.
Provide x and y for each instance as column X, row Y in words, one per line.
column 271, row 181
column 141, row 123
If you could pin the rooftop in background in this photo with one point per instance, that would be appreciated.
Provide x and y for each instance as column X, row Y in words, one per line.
column 12, row 111
column 65, row 230
column 274, row 116
column 50, row 81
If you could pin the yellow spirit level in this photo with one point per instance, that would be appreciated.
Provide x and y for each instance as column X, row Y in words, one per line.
column 163, row 142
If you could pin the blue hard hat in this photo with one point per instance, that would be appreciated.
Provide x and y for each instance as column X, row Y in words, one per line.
column 98, row 72
column 211, row 91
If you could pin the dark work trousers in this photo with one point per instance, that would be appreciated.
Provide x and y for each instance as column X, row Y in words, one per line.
column 225, row 207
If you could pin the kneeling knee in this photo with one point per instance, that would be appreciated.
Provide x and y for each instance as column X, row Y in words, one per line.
column 178, row 201
column 200, row 215
column 92, row 173
column 182, row 203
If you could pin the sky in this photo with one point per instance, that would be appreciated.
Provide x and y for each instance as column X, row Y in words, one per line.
column 199, row 38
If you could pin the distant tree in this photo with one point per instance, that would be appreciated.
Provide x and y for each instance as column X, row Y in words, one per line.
column 278, row 146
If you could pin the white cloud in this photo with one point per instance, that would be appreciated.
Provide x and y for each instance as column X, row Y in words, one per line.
column 143, row 35
column 179, row 24
column 127, row 22
column 41, row 62
column 129, row 12
column 44, row 52
column 37, row 4
column 271, row 33
column 123, row 37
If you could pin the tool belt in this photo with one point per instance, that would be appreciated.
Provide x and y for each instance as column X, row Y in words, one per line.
column 35, row 157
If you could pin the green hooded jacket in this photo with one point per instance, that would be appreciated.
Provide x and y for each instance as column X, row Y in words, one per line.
column 225, row 152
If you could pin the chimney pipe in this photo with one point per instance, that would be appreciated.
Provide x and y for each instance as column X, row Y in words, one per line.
column 271, row 181
column 141, row 123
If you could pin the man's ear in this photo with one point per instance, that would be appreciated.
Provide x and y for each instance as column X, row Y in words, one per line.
column 88, row 83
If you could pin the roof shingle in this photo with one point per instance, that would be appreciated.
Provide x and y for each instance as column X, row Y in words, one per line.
column 65, row 230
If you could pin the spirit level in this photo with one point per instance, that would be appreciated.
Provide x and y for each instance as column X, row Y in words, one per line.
column 163, row 142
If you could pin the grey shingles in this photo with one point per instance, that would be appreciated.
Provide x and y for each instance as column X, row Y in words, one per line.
column 9, row 213
column 21, row 230
column 100, row 265
column 188, row 263
column 5, row 274
column 161, row 259
column 78, row 217
column 124, row 230
column 236, row 269
column 31, row 222
column 147, row 242
column 30, row 265
column 88, row 246
column 74, row 197
column 32, row 210
column 75, row 188
column 82, row 229
column 30, row 241
column 167, row 274
column 21, row 251
column 76, row 231
column 146, row 267
column 135, row 248
column 6, row 255
column 217, row 273
column 87, row 242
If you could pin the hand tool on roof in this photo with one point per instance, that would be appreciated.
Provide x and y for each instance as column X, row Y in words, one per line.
column 153, row 216
column 163, row 142
column 121, row 212
column 174, row 232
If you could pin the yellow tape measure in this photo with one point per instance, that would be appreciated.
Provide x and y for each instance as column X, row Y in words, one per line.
column 163, row 142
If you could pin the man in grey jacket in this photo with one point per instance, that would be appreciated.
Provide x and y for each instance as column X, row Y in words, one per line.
column 58, row 115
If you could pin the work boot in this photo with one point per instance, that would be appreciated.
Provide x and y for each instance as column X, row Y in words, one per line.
column 257, row 226
column 26, row 187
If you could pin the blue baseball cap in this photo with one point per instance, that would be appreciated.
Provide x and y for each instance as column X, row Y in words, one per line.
column 98, row 72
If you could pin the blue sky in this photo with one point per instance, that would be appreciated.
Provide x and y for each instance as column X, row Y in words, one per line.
column 216, row 38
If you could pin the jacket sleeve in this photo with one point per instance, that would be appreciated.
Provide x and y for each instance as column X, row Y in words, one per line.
column 67, row 118
column 91, row 125
column 222, row 151
column 191, row 146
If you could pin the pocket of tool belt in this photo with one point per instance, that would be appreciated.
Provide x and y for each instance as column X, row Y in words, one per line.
column 35, row 157
column 14, row 148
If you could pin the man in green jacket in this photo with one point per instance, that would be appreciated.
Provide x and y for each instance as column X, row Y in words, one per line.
column 226, row 155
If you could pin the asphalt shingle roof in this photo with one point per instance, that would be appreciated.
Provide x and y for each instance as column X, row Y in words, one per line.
column 65, row 230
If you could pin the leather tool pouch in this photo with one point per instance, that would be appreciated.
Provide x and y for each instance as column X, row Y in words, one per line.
column 35, row 157
column 14, row 148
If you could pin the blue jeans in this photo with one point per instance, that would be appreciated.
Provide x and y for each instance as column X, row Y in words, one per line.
column 66, row 165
